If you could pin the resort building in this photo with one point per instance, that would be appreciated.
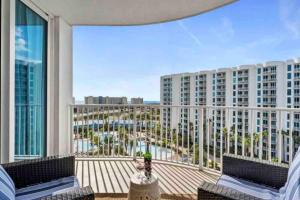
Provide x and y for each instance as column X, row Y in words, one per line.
column 137, row 100
column 105, row 100
column 260, row 85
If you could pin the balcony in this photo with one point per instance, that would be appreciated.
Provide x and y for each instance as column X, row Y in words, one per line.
column 108, row 139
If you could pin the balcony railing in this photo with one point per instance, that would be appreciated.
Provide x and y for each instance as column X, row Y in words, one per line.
column 187, row 135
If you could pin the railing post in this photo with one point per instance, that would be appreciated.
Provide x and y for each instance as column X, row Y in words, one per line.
column 291, row 137
column 270, row 137
column 71, row 120
column 279, row 139
column 201, row 140
column 236, row 132
column 134, row 133
column 221, row 141
column 228, row 122
column 260, row 136
column 251, row 120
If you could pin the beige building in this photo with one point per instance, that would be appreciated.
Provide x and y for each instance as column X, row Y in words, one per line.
column 137, row 100
column 105, row 100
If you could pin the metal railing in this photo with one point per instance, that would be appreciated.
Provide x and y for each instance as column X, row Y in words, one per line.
column 191, row 135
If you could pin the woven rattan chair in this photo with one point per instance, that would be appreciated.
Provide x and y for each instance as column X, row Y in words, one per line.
column 264, row 174
column 30, row 173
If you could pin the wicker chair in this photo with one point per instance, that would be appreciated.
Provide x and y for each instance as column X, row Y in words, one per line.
column 32, row 172
column 265, row 173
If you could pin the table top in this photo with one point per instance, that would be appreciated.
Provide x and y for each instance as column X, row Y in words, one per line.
column 140, row 179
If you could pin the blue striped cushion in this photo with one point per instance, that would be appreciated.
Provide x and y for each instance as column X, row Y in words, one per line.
column 291, row 190
column 47, row 189
column 249, row 188
column 7, row 186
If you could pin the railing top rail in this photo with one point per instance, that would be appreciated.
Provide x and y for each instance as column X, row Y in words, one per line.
column 186, row 106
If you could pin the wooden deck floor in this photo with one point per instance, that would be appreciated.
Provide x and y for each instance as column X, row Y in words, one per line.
column 113, row 176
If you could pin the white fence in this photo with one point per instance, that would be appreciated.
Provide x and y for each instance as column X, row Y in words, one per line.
column 192, row 135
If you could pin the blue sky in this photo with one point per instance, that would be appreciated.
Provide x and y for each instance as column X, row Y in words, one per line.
column 128, row 61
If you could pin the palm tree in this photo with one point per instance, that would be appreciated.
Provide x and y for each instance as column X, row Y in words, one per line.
column 247, row 143
column 225, row 134
column 256, row 137
column 108, row 141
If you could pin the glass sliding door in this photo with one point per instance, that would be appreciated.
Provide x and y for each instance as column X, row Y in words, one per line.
column 30, row 83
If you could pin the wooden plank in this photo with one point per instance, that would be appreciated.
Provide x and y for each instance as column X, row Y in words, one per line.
column 124, row 170
column 194, row 175
column 106, row 178
column 100, row 178
column 119, row 176
column 86, row 175
column 131, row 165
column 177, row 179
column 170, row 186
column 79, row 173
column 195, row 180
column 114, row 181
column 113, row 176
column 125, row 175
column 93, row 181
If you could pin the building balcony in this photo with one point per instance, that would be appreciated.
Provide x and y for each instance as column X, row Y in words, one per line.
column 109, row 138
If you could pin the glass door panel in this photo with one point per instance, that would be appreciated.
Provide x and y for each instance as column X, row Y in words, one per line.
column 30, row 83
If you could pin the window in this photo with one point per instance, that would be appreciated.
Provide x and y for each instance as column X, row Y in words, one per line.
column 30, row 83
column 289, row 92
column 258, row 78
column 289, row 100
column 258, row 70
column 258, row 100
column 289, row 84
column 289, row 68
column 289, row 75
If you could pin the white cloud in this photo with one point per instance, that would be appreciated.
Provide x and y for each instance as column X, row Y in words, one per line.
column 289, row 11
column 26, row 59
column 21, row 45
column 189, row 33
column 224, row 31
column 19, row 32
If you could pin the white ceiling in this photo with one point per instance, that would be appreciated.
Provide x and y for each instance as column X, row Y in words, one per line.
column 126, row 12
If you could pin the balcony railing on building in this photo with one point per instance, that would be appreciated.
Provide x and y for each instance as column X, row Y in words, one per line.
column 187, row 135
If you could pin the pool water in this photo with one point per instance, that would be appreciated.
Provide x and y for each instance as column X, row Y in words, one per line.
column 84, row 145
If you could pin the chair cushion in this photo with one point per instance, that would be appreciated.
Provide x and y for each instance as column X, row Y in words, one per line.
column 7, row 186
column 249, row 188
column 47, row 189
column 291, row 189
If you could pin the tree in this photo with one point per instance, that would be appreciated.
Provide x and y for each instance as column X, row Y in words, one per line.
column 247, row 143
column 108, row 141
column 96, row 140
column 139, row 154
column 225, row 136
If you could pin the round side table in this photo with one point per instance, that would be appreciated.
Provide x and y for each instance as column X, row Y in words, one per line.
column 143, row 189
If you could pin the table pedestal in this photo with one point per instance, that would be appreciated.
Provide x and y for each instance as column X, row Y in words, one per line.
column 143, row 189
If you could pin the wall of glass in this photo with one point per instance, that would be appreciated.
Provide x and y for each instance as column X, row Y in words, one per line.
column 30, row 83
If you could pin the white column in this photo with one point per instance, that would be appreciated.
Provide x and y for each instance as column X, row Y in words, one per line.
column 7, row 133
column 61, row 89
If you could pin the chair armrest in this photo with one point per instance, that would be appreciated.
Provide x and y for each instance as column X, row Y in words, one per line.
column 255, row 170
column 208, row 191
column 85, row 193
column 30, row 172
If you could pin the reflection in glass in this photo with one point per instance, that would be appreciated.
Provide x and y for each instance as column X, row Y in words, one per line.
column 30, row 83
